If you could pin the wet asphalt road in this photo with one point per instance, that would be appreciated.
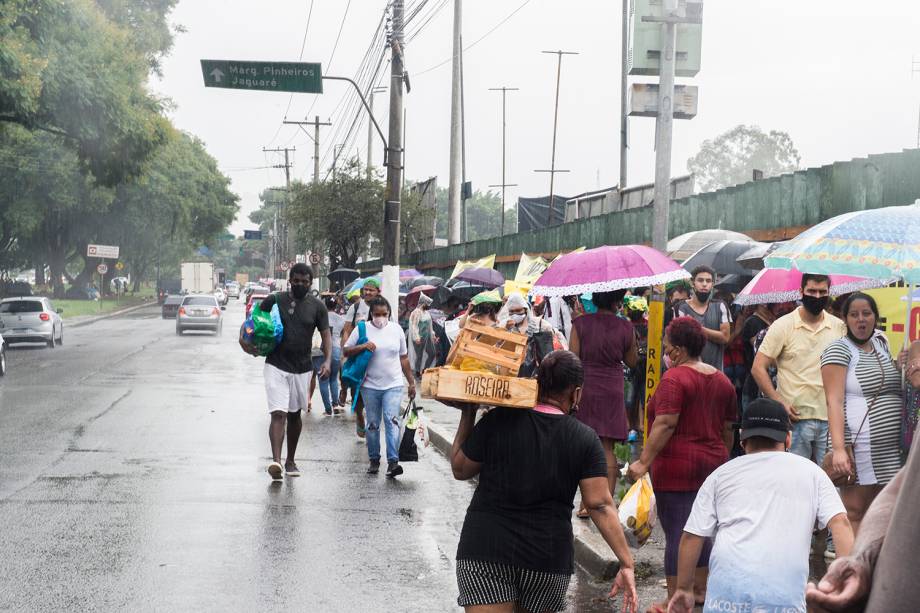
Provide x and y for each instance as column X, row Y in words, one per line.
column 132, row 478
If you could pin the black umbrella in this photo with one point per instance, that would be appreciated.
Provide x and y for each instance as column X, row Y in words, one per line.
column 343, row 276
column 426, row 280
column 465, row 290
column 722, row 257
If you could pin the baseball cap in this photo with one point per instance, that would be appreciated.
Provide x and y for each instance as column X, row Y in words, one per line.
column 767, row 418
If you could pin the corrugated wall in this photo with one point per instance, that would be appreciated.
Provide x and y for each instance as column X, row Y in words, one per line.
column 789, row 201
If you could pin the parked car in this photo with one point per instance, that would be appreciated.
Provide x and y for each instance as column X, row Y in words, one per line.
column 31, row 320
column 171, row 306
column 199, row 312
column 2, row 356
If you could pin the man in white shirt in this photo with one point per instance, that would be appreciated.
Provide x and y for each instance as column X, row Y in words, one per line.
column 359, row 311
column 760, row 509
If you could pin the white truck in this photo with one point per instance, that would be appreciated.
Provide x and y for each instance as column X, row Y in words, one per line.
column 198, row 277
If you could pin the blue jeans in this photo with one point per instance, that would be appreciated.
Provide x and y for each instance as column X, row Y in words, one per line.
column 809, row 436
column 332, row 381
column 382, row 405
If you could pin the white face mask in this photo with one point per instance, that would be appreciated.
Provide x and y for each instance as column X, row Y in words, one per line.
column 517, row 317
column 380, row 322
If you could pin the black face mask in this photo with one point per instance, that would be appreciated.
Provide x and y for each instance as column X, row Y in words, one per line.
column 702, row 296
column 299, row 291
column 813, row 304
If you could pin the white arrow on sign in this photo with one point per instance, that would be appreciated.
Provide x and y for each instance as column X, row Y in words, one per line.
column 218, row 74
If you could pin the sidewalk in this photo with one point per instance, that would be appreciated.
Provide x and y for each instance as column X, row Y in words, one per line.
column 591, row 551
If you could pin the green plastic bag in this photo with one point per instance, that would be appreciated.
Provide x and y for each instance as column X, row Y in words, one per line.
column 263, row 330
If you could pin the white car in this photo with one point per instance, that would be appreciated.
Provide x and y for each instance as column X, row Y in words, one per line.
column 233, row 290
column 221, row 296
column 31, row 319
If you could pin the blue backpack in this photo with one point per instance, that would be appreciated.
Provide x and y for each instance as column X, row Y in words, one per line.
column 355, row 368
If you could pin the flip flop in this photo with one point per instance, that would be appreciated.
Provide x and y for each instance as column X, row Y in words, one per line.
column 583, row 514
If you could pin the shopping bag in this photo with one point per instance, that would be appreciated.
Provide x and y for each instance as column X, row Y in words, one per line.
column 408, row 447
column 637, row 512
column 355, row 367
column 263, row 330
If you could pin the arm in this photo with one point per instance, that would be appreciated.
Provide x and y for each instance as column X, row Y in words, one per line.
column 327, row 354
column 834, row 378
column 574, row 342
column 632, row 354
column 595, row 494
column 346, row 332
column 840, row 528
column 728, row 435
column 691, row 546
column 407, row 373
column 759, row 371
column 849, row 578
column 661, row 433
column 463, row 467
column 720, row 336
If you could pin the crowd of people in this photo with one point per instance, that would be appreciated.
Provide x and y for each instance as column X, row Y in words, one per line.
column 776, row 430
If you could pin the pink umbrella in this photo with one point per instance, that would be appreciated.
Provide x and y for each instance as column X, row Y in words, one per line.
column 773, row 285
column 605, row 269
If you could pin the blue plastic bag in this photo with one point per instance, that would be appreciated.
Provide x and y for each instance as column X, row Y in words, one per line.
column 355, row 368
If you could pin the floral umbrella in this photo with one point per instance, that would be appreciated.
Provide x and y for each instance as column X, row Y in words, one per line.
column 772, row 285
column 606, row 269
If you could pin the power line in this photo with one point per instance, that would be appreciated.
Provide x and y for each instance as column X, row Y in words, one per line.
column 475, row 42
column 303, row 46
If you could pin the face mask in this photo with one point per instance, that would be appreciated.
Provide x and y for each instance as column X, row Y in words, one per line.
column 702, row 296
column 814, row 305
column 667, row 361
column 380, row 322
column 299, row 291
column 517, row 317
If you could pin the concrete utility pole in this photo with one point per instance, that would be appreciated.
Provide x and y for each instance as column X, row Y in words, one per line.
column 552, row 167
column 914, row 69
column 394, row 159
column 504, row 183
column 454, row 216
column 316, row 123
column 624, row 98
column 283, row 238
column 370, row 131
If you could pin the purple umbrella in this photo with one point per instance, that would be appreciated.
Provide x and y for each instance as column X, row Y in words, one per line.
column 606, row 269
column 487, row 277
column 409, row 273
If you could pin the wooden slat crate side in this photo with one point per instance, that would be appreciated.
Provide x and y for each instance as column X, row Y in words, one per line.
column 501, row 348
column 479, row 387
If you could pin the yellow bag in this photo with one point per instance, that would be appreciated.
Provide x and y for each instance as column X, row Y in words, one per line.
column 637, row 512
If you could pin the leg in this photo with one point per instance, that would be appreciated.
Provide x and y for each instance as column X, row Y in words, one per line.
column 801, row 445
column 335, row 368
column 294, row 427
column 373, row 404
column 856, row 499
column 312, row 391
column 276, row 434
column 390, row 407
column 419, row 357
column 821, row 431
column 613, row 466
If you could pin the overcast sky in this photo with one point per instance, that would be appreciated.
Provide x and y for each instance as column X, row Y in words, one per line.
column 835, row 74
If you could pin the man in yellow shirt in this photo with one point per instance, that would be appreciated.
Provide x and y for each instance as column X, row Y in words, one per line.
column 794, row 344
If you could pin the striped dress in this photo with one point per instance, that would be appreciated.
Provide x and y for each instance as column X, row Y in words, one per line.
column 877, row 446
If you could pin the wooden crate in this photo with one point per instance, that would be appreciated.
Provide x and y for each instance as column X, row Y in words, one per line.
column 502, row 350
column 479, row 388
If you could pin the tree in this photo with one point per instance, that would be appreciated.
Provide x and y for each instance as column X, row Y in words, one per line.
column 483, row 213
column 731, row 158
column 340, row 217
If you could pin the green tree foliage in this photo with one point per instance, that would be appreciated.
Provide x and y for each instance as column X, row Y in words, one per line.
column 483, row 213
column 731, row 158
column 66, row 68
column 341, row 217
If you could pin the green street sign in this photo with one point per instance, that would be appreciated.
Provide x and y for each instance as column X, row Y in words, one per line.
column 268, row 76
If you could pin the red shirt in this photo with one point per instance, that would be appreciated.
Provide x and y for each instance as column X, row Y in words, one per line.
column 703, row 403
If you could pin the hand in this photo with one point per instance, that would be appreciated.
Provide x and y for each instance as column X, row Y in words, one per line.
column 681, row 602
column 417, row 341
column 509, row 324
column 626, row 582
column 792, row 412
column 636, row 470
column 845, row 585
column 902, row 358
column 369, row 346
column 411, row 391
column 324, row 371
column 840, row 461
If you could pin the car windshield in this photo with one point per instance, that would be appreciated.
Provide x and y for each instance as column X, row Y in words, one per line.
column 173, row 300
column 21, row 306
column 199, row 301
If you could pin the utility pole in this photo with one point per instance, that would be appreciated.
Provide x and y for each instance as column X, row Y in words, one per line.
column 316, row 123
column 914, row 69
column 504, row 183
column 624, row 87
column 370, row 131
column 336, row 151
column 665, row 122
column 552, row 167
column 454, row 216
column 394, row 158
column 283, row 239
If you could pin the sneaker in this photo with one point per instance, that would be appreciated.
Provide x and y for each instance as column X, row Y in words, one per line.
column 830, row 553
column 374, row 467
column 291, row 469
column 338, row 411
column 327, row 413
column 394, row 470
column 275, row 470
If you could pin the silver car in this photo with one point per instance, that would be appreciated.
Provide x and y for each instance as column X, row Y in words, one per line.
column 31, row 319
column 2, row 357
column 199, row 312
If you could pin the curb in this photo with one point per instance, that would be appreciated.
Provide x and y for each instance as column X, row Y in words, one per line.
column 591, row 550
column 92, row 320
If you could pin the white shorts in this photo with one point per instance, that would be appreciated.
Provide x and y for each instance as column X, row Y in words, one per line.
column 286, row 391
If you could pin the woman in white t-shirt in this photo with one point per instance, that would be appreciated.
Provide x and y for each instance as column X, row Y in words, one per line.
column 382, row 388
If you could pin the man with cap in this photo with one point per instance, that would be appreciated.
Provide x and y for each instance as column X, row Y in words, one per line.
column 358, row 311
column 761, row 509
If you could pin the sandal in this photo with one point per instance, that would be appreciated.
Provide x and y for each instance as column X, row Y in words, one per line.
column 583, row 514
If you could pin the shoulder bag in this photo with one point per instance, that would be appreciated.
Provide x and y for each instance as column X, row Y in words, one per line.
column 844, row 479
